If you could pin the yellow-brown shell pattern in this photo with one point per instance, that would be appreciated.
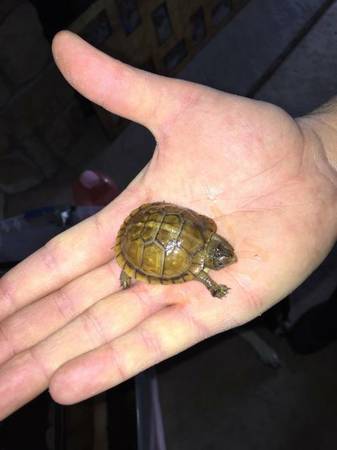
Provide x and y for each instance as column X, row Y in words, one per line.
column 163, row 243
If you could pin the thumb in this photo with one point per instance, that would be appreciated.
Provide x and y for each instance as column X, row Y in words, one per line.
column 149, row 99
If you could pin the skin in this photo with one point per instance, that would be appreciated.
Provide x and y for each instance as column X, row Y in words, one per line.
column 270, row 183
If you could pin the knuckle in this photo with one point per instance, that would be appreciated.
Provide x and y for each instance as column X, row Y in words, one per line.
column 114, row 271
column 6, row 344
column 93, row 328
column 118, row 363
column 49, row 255
column 151, row 342
column 32, row 354
column 64, row 304
column 7, row 302
column 141, row 298
column 200, row 330
column 98, row 224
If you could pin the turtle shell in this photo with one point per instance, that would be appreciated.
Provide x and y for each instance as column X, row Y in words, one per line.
column 163, row 243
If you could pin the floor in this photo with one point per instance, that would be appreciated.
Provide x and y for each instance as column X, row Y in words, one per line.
column 219, row 395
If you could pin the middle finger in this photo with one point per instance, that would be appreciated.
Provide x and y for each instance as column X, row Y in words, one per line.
column 28, row 373
column 38, row 320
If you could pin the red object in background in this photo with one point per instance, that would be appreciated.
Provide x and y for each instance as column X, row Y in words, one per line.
column 94, row 188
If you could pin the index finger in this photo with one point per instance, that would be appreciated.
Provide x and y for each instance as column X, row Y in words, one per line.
column 70, row 254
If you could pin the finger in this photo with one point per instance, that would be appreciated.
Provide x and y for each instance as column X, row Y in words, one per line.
column 194, row 317
column 164, row 334
column 28, row 373
column 40, row 319
column 67, row 256
column 99, row 324
column 21, row 381
column 37, row 321
column 143, row 97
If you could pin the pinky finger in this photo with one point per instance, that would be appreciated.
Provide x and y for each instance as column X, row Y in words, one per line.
column 166, row 333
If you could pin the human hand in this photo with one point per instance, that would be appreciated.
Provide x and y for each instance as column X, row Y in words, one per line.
column 259, row 174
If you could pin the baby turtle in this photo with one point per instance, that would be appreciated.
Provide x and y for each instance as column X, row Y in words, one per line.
column 165, row 243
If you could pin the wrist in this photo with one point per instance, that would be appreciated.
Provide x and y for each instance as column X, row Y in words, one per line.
column 320, row 142
column 323, row 123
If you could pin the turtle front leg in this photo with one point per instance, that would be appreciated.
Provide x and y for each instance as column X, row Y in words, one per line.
column 125, row 280
column 217, row 290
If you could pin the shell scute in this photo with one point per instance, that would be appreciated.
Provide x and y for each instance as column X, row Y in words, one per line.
column 153, row 259
column 160, row 242
column 173, row 219
column 135, row 231
column 170, row 229
column 150, row 231
column 177, row 262
column 134, row 250
column 191, row 238
column 165, row 236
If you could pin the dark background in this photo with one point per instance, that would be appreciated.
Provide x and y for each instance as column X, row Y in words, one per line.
column 218, row 394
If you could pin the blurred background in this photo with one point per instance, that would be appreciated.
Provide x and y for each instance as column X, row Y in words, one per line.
column 271, row 385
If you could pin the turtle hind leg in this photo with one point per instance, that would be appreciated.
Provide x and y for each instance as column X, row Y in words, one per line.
column 217, row 290
column 125, row 280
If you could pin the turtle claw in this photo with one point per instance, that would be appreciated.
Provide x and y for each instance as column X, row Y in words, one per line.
column 216, row 290
column 220, row 291
column 125, row 280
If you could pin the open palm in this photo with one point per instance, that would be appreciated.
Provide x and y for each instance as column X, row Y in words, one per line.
column 259, row 174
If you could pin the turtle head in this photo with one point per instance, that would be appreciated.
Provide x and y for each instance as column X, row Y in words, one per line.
column 219, row 253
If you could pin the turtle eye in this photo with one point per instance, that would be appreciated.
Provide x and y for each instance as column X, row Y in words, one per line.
column 222, row 252
column 219, row 254
column 222, row 255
